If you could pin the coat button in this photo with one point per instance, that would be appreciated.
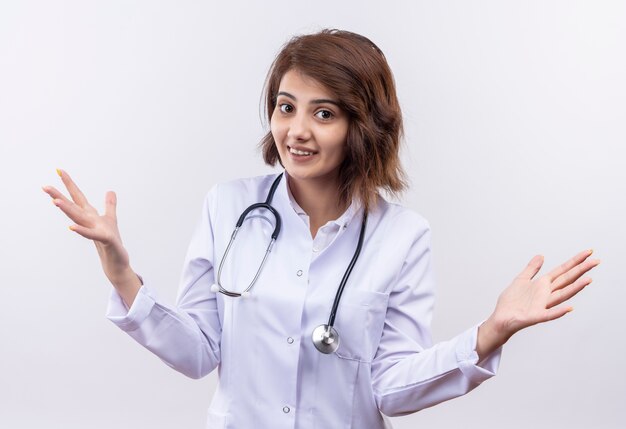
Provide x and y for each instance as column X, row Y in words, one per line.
column 286, row 409
column 299, row 273
column 290, row 340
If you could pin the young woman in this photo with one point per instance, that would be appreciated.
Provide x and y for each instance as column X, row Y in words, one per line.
column 331, row 326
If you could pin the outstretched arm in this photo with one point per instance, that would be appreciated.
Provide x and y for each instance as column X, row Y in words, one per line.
column 530, row 300
column 103, row 230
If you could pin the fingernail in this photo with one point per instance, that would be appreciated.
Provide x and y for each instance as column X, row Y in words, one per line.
column 569, row 310
column 59, row 172
column 71, row 227
column 590, row 251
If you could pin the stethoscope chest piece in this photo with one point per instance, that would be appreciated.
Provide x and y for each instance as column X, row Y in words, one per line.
column 326, row 339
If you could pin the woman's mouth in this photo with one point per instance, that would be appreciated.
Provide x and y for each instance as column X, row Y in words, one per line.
column 299, row 152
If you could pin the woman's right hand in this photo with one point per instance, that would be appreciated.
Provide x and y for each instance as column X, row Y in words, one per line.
column 104, row 232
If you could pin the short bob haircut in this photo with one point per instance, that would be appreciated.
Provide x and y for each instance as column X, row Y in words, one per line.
column 355, row 69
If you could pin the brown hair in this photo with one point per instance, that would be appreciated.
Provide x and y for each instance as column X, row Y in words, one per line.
column 355, row 69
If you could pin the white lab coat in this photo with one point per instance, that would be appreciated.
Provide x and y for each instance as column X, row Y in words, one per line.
column 271, row 375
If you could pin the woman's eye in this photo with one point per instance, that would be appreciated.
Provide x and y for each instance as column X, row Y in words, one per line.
column 324, row 114
column 286, row 108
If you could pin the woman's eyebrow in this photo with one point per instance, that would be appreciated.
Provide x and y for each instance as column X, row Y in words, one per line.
column 316, row 101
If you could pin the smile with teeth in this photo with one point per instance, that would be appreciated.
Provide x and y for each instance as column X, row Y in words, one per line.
column 300, row 152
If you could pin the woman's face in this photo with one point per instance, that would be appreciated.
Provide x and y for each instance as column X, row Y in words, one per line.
column 309, row 128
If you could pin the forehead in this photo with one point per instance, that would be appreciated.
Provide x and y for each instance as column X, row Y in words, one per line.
column 298, row 84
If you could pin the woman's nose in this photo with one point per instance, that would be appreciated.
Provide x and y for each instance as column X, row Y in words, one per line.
column 299, row 128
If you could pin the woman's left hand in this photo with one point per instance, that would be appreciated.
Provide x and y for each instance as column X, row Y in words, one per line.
column 529, row 300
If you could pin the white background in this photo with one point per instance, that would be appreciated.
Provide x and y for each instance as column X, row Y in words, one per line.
column 515, row 117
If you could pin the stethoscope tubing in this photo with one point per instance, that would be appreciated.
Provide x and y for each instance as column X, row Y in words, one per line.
column 346, row 275
column 325, row 337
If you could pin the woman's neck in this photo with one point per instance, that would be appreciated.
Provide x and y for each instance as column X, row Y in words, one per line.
column 319, row 199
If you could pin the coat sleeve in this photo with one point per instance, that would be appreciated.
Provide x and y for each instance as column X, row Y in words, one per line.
column 186, row 337
column 408, row 372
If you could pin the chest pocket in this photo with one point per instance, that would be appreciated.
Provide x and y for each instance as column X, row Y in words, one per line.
column 360, row 321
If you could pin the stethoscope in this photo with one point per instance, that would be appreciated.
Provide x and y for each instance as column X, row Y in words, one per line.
column 325, row 337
